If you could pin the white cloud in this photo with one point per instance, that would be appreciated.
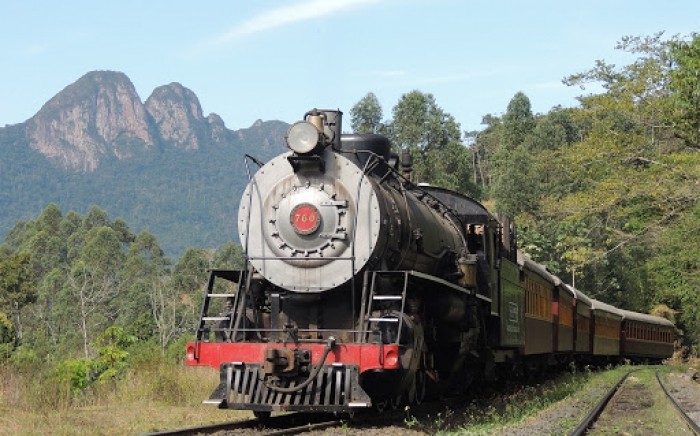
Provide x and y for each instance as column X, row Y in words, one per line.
column 285, row 15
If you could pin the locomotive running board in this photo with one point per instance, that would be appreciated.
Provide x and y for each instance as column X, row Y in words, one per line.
column 336, row 388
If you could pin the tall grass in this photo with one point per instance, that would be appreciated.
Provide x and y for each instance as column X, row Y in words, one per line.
column 154, row 392
column 164, row 382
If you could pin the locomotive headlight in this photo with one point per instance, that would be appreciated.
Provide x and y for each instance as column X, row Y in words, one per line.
column 303, row 137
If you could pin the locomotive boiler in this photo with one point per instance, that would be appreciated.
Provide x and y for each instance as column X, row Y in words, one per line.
column 362, row 288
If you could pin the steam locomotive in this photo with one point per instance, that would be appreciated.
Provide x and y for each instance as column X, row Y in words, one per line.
column 363, row 289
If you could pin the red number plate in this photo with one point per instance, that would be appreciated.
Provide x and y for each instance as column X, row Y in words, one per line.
column 305, row 219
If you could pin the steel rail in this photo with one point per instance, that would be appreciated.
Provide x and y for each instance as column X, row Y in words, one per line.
column 207, row 429
column 292, row 423
column 586, row 423
column 688, row 420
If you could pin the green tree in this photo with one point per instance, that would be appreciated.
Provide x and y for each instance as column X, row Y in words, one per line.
column 230, row 255
column 518, row 121
column 675, row 273
column 145, row 267
column 485, row 147
column 636, row 98
column 515, row 183
column 95, row 217
column 7, row 336
column 685, row 83
column 366, row 115
column 516, row 187
column 188, row 282
column 94, row 279
column 17, row 286
column 433, row 138
column 420, row 125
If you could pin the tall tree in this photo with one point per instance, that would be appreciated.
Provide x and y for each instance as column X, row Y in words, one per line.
column 420, row 125
column 366, row 115
column 94, row 279
column 516, row 187
column 433, row 137
column 518, row 121
column 145, row 267
column 685, row 82
column 189, row 279
column 17, row 286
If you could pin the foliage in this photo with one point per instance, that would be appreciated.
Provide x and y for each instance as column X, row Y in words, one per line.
column 17, row 286
column 518, row 121
column 366, row 115
column 685, row 83
column 433, row 138
column 67, row 278
column 604, row 193
column 112, row 354
column 110, row 362
column 183, row 197
column 675, row 272
column 7, row 337
column 75, row 373
column 515, row 188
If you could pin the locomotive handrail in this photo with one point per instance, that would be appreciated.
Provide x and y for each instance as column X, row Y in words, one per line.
column 251, row 180
column 258, row 162
column 240, row 303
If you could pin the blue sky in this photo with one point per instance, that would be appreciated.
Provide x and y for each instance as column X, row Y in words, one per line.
column 277, row 59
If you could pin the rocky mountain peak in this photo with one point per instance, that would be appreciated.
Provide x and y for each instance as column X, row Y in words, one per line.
column 98, row 115
column 178, row 116
column 101, row 116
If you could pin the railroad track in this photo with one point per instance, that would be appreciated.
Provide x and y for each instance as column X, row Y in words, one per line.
column 595, row 413
column 293, row 423
column 688, row 420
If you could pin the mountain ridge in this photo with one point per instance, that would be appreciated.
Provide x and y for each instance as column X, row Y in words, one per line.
column 160, row 164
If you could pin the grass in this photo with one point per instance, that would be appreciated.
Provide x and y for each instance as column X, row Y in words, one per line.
column 152, row 397
column 573, row 392
column 156, row 395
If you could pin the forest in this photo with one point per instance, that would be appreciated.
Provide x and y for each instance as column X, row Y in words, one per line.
column 605, row 194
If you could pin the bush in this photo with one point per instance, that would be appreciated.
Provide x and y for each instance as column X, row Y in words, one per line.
column 144, row 354
column 75, row 373
column 7, row 337
column 176, row 350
